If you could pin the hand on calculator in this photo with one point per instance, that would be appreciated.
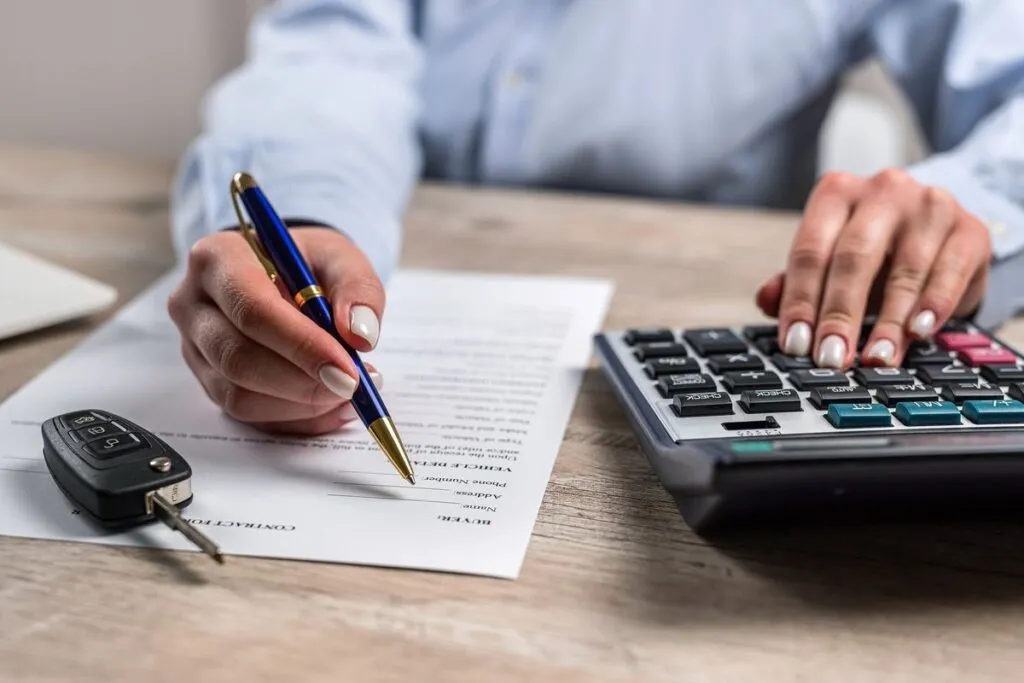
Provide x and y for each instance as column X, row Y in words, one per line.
column 884, row 245
column 254, row 353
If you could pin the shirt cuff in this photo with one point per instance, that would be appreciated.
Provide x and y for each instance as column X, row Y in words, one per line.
column 1005, row 221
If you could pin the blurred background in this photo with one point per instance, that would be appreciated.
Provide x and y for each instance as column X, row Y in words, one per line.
column 127, row 77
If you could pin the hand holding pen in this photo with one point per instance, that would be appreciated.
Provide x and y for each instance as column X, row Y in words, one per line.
column 259, row 358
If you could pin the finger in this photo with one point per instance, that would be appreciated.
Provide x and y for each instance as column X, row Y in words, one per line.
column 354, row 290
column 856, row 262
column 243, row 362
column 769, row 296
column 240, row 288
column 915, row 254
column 827, row 211
column 957, row 280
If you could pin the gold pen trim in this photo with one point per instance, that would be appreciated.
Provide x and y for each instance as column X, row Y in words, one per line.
column 307, row 293
column 386, row 436
column 239, row 183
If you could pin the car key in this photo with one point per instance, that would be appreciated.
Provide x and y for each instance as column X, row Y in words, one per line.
column 120, row 474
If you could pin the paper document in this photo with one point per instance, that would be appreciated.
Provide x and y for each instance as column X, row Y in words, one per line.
column 479, row 373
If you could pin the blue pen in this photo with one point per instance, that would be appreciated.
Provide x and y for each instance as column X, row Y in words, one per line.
column 277, row 252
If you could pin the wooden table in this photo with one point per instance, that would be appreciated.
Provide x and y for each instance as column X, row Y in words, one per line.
column 614, row 587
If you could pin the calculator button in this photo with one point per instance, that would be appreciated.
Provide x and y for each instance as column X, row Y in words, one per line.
column 115, row 444
column 1016, row 391
column 994, row 412
column 83, row 418
column 790, row 363
column 735, row 382
column 958, row 392
column 850, row 415
column 818, row 377
column 770, row 401
column 755, row 332
column 928, row 354
column 768, row 345
column 873, row 377
column 702, row 403
column 980, row 356
column 822, row 397
column 1002, row 374
column 659, row 350
column 671, row 385
column 647, row 335
column 956, row 326
column 98, row 431
column 712, row 341
column 927, row 413
column 892, row 394
column 958, row 341
column 734, row 361
column 670, row 366
column 943, row 374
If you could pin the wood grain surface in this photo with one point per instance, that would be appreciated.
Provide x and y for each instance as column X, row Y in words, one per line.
column 614, row 587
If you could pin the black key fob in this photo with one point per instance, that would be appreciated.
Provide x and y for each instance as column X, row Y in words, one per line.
column 111, row 468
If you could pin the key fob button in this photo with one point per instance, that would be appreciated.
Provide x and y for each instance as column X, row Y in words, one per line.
column 83, row 418
column 99, row 431
column 115, row 444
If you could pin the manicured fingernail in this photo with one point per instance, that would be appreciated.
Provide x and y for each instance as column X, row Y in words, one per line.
column 923, row 324
column 377, row 379
column 798, row 340
column 348, row 413
column 363, row 322
column 337, row 381
column 883, row 350
column 832, row 352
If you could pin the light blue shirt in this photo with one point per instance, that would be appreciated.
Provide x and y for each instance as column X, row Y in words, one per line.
column 343, row 105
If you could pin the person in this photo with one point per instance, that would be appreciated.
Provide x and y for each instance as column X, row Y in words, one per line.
column 342, row 105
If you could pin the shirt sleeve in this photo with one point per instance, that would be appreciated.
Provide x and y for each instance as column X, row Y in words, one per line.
column 961, row 65
column 324, row 115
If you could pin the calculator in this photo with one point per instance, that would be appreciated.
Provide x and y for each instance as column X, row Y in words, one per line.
column 739, row 433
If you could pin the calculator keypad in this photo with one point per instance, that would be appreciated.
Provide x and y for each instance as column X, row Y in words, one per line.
column 721, row 382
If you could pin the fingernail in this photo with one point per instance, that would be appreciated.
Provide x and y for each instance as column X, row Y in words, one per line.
column 884, row 350
column 337, row 381
column 348, row 413
column 363, row 322
column 924, row 323
column 798, row 340
column 832, row 352
column 377, row 379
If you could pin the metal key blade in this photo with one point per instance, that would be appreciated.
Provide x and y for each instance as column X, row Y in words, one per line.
column 168, row 513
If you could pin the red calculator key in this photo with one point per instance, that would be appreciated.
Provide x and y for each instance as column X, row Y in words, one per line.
column 957, row 341
column 987, row 356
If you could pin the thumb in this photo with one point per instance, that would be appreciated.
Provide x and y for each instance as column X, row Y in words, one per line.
column 770, row 295
column 350, row 283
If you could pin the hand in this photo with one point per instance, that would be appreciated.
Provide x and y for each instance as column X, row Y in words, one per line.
column 886, row 246
column 260, row 359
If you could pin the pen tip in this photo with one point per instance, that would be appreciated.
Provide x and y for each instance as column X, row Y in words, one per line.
column 412, row 479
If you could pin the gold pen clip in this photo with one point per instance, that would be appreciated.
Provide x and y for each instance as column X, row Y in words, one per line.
column 239, row 183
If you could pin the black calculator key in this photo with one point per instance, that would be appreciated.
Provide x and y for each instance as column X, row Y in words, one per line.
column 927, row 354
column 956, row 326
column 958, row 392
column 670, row 366
column 647, row 335
column 805, row 380
column 822, row 397
column 708, row 342
column 735, row 382
column 99, row 431
column 892, row 394
column 115, row 444
column 670, row 385
column 943, row 374
column 873, row 377
column 702, row 403
column 734, row 361
column 755, row 332
column 770, row 401
column 1002, row 374
column 790, row 363
column 768, row 346
column 1016, row 391
column 659, row 350
column 83, row 418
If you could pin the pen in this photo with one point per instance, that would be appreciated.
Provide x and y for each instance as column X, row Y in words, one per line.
column 277, row 252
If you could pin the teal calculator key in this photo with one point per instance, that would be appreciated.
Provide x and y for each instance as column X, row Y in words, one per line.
column 1007, row 411
column 927, row 413
column 848, row 415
